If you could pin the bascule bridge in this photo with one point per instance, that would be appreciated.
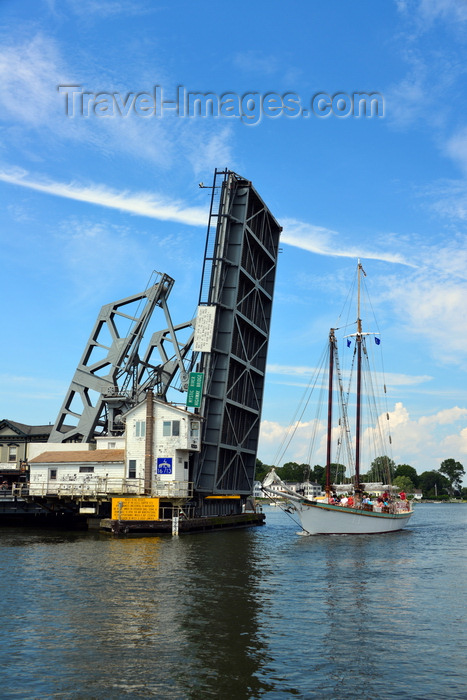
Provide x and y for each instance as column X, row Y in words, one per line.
column 217, row 359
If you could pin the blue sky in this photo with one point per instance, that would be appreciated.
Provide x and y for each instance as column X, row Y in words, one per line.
column 92, row 205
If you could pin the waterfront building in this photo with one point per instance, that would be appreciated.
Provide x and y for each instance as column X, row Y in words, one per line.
column 307, row 488
column 15, row 447
column 151, row 458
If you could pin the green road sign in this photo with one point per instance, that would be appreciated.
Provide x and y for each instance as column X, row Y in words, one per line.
column 195, row 389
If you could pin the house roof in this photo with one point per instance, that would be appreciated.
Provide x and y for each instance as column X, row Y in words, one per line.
column 165, row 405
column 23, row 429
column 79, row 456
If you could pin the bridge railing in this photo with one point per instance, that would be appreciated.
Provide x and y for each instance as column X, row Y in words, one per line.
column 108, row 486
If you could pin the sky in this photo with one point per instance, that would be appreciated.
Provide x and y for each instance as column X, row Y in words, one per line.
column 99, row 184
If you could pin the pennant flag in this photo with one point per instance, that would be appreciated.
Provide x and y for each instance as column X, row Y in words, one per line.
column 349, row 342
column 377, row 340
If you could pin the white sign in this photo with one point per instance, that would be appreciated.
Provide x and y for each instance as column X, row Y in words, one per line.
column 204, row 329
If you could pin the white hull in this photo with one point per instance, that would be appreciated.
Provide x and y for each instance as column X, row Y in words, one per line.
column 324, row 519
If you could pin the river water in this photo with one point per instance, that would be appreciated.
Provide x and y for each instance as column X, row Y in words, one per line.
column 258, row 613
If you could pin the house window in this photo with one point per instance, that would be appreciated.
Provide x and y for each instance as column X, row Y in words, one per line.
column 140, row 428
column 171, row 427
column 52, row 474
column 132, row 469
column 194, row 429
column 86, row 470
column 12, row 452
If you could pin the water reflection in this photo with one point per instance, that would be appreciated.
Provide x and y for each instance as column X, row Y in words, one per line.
column 138, row 617
column 218, row 613
column 259, row 613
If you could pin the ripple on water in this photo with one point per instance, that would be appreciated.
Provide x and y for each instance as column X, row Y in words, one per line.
column 247, row 614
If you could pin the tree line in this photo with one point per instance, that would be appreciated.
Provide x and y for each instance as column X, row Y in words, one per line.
column 444, row 482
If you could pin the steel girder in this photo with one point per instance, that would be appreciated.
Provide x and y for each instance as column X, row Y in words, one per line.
column 111, row 377
column 238, row 278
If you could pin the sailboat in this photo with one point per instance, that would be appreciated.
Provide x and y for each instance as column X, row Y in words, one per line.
column 355, row 514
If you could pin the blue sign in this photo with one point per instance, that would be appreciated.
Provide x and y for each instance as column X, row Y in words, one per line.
column 164, row 465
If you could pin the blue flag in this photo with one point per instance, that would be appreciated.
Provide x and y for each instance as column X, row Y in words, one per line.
column 377, row 340
column 349, row 342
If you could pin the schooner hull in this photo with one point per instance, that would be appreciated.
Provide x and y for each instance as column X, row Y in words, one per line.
column 323, row 519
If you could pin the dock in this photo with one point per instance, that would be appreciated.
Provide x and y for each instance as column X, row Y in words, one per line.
column 185, row 525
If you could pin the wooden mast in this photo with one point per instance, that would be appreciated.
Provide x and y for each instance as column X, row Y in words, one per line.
column 359, row 386
column 332, row 341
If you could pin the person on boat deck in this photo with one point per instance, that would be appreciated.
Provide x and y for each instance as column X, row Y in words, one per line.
column 385, row 496
column 350, row 501
column 344, row 501
column 402, row 495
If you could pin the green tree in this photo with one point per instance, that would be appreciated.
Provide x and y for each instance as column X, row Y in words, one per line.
column 261, row 470
column 408, row 471
column 382, row 469
column 318, row 475
column 404, row 484
column 337, row 472
column 454, row 472
column 292, row 471
column 433, row 484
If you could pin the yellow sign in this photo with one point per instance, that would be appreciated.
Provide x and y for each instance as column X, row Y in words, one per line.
column 135, row 509
column 223, row 497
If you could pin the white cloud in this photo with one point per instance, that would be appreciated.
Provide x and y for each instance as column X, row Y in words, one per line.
column 33, row 67
column 431, row 306
column 444, row 417
column 274, row 441
column 428, row 94
column 29, row 74
column 406, row 100
column 449, row 198
column 456, row 148
column 253, row 61
column 391, row 379
column 455, row 444
column 421, row 443
column 323, row 241
column 426, row 12
column 142, row 203
column 449, row 10
column 115, row 250
column 291, row 370
column 205, row 149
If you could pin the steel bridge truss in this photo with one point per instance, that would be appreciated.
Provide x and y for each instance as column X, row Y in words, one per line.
column 238, row 279
column 111, row 377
